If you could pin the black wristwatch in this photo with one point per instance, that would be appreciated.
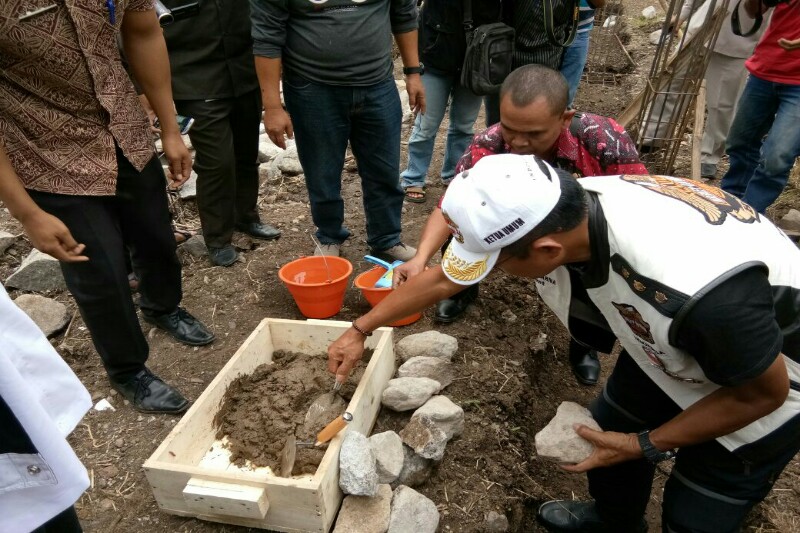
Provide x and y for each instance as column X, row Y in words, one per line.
column 651, row 453
column 414, row 70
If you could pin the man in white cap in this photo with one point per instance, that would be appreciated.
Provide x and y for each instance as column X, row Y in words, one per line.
column 703, row 294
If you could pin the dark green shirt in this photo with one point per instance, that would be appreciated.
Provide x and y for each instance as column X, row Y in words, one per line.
column 211, row 54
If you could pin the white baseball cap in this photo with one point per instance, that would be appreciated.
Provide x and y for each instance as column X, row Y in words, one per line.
column 494, row 204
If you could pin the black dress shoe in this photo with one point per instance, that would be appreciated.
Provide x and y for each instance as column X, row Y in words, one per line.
column 449, row 309
column 564, row 516
column 183, row 326
column 585, row 364
column 148, row 394
column 259, row 230
column 225, row 256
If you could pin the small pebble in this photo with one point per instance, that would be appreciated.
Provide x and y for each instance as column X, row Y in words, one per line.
column 119, row 443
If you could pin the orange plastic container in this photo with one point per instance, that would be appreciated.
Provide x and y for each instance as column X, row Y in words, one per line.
column 373, row 294
column 317, row 289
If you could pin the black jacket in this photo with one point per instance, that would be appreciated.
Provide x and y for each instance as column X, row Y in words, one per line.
column 442, row 41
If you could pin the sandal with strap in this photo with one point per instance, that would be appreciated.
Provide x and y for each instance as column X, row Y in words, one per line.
column 420, row 191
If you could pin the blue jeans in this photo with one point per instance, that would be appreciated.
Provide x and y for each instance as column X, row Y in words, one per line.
column 759, row 170
column 325, row 118
column 573, row 62
column 464, row 107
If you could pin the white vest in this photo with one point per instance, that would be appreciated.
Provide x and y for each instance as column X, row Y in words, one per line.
column 671, row 240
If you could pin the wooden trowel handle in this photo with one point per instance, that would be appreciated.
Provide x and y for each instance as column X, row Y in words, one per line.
column 330, row 431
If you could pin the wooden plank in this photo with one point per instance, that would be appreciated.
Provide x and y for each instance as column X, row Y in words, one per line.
column 697, row 132
column 212, row 497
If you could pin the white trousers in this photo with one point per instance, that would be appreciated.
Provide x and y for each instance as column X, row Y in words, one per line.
column 725, row 79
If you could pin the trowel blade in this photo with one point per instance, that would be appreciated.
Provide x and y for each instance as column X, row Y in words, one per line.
column 288, row 455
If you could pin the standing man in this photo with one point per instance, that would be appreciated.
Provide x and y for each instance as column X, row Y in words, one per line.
column 535, row 120
column 711, row 340
column 214, row 81
column 770, row 105
column 78, row 169
column 442, row 46
column 335, row 59
column 576, row 54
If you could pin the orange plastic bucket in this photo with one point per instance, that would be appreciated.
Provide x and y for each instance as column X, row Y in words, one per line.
column 373, row 294
column 317, row 289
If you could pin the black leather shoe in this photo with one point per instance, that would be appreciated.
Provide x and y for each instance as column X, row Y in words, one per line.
column 183, row 326
column 148, row 394
column 225, row 256
column 585, row 364
column 259, row 230
column 449, row 309
column 564, row 516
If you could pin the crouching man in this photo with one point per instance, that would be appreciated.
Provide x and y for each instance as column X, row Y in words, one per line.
column 703, row 294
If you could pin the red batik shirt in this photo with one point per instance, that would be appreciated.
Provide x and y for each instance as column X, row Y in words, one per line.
column 65, row 98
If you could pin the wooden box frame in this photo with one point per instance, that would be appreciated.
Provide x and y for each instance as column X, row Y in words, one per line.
column 256, row 499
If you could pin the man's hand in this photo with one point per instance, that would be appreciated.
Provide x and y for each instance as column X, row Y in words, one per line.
column 49, row 235
column 344, row 353
column 180, row 161
column 277, row 123
column 406, row 271
column 610, row 448
column 790, row 45
column 416, row 93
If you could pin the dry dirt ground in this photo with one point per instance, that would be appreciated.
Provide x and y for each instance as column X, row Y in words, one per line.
column 507, row 392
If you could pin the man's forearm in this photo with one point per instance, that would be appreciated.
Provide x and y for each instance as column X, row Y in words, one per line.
column 268, row 70
column 726, row 410
column 146, row 52
column 433, row 236
column 407, row 44
column 12, row 193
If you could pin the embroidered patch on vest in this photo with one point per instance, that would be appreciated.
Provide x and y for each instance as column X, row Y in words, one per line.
column 634, row 319
column 713, row 203
column 656, row 361
column 666, row 300
column 457, row 235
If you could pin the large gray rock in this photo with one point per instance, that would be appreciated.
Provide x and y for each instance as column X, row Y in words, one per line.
column 495, row 522
column 412, row 512
column 267, row 150
column 6, row 240
column 430, row 344
column 189, row 189
column 558, row 441
column 425, row 437
column 388, row 450
column 416, row 470
column 288, row 162
column 445, row 414
column 790, row 221
column 195, row 246
column 269, row 173
column 408, row 114
column 364, row 514
column 433, row 368
column 357, row 473
column 51, row 316
column 38, row 272
column 402, row 394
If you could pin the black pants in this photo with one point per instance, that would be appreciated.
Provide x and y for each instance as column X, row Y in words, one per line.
column 710, row 489
column 65, row 522
column 135, row 220
column 225, row 137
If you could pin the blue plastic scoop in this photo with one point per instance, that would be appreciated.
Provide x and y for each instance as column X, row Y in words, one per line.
column 385, row 280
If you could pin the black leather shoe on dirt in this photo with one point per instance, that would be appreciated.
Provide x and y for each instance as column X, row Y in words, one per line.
column 584, row 362
column 449, row 309
column 225, row 256
column 564, row 516
column 148, row 394
column 259, row 230
column 183, row 326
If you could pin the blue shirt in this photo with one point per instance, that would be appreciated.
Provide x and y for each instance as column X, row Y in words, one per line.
column 585, row 17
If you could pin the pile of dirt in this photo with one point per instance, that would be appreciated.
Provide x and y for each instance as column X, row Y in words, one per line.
column 260, row 410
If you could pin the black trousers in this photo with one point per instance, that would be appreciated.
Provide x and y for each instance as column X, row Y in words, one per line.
column 710, row 489
column 225, row 137
column 136, row 220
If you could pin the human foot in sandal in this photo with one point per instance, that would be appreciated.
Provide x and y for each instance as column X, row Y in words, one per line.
column 415, row 194
column 181, row 236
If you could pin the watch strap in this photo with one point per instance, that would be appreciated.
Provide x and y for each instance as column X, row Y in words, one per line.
column 651, row 453
column 414, row 70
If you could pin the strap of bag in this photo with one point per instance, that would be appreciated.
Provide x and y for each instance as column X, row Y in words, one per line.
column 467, row 16
column 736, row 25
column 549, row 24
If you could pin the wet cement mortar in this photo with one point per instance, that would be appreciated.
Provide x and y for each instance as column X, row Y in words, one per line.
column 290, row 395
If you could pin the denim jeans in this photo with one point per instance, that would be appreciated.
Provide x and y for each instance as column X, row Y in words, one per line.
column 325, row 118
column 759, row 170
column 573, row 62
column 464, row 107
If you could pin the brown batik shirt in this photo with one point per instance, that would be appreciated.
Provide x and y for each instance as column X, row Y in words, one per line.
column 65, row 98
